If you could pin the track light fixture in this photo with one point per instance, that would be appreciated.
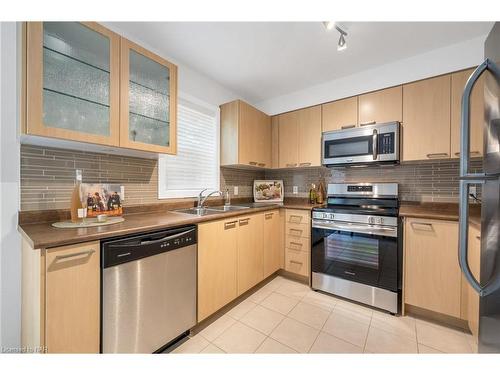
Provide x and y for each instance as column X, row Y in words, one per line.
column 342, row 44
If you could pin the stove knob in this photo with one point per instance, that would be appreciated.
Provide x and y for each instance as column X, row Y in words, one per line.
column 381, row 221
column 371, row 220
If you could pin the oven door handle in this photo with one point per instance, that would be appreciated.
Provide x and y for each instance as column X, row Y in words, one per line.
column 368, row 229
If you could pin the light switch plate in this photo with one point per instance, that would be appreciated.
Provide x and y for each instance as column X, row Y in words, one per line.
column 236, row 190
column 296, row 190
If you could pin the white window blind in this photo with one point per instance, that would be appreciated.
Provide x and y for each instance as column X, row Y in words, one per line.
column 196, row 165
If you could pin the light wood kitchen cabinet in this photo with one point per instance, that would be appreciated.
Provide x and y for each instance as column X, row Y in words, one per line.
column 340, row 114
column 217, row 265
column 381, row 106
column 297, row 241
column 432, row 273
column 426, row 119
column 275, row 156
column 87, row 84
column 471, row 295
column 72, row 299
column 72, row 81
column 250, row 251
column 458, row 81
column 288, row 140
column 148, row 100
column 273, row 242
column 245, row 135
column 309, row 137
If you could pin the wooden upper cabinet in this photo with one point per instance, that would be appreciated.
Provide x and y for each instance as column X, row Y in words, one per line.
column 340, row 114
column 426, row 119
column 245, row 135
column 288, row 140
column 309, row 137
column 72, row 308
column 275, row 142
column 381, row 106
column 73, row 82
column 148, row 100
column 432, row 273
column 458, row 81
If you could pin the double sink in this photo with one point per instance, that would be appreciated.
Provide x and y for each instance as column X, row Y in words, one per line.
column 212, row 210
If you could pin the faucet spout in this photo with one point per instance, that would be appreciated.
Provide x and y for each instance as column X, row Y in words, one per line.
column 202, row 199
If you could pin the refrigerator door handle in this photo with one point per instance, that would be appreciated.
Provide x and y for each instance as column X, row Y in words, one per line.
column 466, row 178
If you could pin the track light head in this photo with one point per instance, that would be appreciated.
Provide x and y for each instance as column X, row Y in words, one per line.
column 342, row 45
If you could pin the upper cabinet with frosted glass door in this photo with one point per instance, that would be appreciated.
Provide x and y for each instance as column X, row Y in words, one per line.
column 148, row 101
column 73, row 82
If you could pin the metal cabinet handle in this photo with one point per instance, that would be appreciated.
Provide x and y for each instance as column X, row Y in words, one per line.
column 368, row 123
column 296, row 262
column 437, row 155
column 472, row 153
column 296, row 230
column 375, row 144
column 420, row 223
column 305, row 164
column 478, row 237
column 252, row 163
column 467, row 178
column 295, row 243
column 347, row 126
column 269, row 215
column 230, row 225
column 67, row 256
column 244, row 221
column 262, row 164
column 291, row 164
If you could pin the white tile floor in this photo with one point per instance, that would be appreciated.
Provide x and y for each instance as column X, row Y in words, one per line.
column 285, row 316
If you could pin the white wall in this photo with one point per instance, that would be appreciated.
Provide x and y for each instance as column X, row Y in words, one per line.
column 10, row 245
column 444, row 60
column 190, row 82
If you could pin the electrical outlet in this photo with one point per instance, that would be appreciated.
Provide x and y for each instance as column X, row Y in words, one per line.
column 473, row 191
column 296, row 190
column 236, row 190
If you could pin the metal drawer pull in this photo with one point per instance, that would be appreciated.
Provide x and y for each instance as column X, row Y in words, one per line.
column 87, row 252
column 472, row 153
column 423, row 224
column 230, row 225
column 305, row 164
column 262, row 164
column 252, row 163
column 478, row 237
column 297, row 216
column 296, row 262
column 296, row 243
column 291, row 165
column 347, row 126
column 123, row 255
column 296, row 230
column 269, row 216
column 437, row 155
column 350, row 273
column 368, row 123
column 244, row 221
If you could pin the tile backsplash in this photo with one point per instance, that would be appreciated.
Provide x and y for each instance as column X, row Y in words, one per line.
column 48, row 175
column 427, row 181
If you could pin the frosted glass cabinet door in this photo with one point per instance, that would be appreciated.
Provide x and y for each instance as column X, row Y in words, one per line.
column 148, row 100
column 72, row 81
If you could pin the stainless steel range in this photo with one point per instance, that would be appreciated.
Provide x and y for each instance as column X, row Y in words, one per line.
column 356, row 248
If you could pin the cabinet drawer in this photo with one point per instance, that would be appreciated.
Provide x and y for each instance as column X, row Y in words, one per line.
column 297, row 262
column 298, row 230
column 297, row 216
column 298, row 243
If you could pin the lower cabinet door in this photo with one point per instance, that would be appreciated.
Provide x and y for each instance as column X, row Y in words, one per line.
column 217, row 265
column 433, row 277
column 250, row 252
column 72, row 299
column 475, row 266
column 273, row 244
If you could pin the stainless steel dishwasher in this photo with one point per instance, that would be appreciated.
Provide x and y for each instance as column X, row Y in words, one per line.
column 148, row 290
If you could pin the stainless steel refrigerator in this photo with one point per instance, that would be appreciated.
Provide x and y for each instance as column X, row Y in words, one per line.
column 488, row 284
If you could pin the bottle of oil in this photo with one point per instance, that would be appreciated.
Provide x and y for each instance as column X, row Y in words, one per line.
column 312, row 194
column 76, row 199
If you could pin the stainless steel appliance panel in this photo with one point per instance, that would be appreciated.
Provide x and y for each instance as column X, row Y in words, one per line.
column 148, row 302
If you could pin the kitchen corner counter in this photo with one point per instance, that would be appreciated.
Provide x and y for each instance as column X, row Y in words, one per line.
column 43, row 235
column 439, row 211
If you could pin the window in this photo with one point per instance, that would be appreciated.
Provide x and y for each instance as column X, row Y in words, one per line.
column 196, row 165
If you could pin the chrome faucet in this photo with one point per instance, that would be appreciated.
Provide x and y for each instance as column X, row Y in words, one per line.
column 202, row 199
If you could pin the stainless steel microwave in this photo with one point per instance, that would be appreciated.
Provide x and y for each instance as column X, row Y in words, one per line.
column 377, row 143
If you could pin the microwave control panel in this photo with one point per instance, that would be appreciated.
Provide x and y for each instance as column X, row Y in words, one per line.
column 386, row 143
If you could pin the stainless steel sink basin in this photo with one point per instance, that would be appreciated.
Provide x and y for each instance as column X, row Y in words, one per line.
column 227, row 208
column 198, row 212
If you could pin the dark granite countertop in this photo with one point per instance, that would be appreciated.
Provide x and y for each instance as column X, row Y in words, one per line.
column 439, row 211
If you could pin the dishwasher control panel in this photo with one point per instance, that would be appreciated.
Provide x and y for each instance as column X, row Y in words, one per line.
column 127, row 249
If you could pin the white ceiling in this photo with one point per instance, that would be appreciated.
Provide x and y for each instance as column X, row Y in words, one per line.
column 263, row 60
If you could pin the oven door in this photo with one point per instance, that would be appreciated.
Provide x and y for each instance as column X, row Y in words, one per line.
column 362, row 253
